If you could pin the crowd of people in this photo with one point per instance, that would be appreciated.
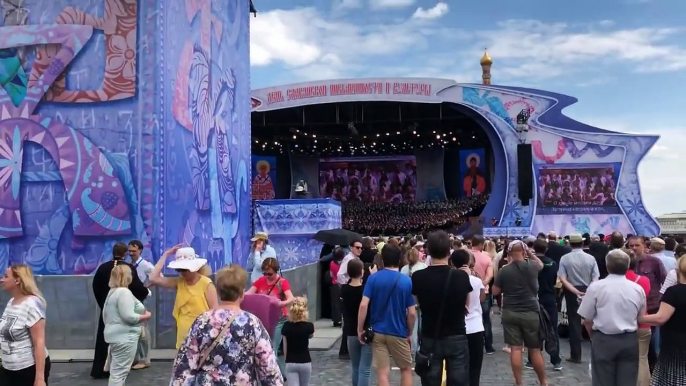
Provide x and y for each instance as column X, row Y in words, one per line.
column 383, row 182
column 377, row 218
column 586, row 187
column 627, row 294
column 422, row 304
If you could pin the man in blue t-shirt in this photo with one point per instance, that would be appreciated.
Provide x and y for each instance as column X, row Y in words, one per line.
column 388, row 298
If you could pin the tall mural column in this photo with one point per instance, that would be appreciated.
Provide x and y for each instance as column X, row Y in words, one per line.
column 206, row 197
column 120, row 120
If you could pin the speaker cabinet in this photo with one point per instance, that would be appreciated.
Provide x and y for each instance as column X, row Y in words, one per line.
column 526, row 175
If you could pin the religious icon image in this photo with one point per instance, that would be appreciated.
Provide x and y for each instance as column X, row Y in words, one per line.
column 474, row 182
column 262, row 184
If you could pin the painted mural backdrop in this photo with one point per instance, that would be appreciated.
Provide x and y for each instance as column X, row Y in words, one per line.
column 77, row 128
column 206, row 153
column 263, row 177
column 94, row 94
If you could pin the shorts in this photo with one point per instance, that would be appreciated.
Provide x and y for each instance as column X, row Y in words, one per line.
column 521, row 329
column 385, row 346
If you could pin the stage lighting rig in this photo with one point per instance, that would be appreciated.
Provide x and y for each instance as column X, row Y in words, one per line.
column 523, row 125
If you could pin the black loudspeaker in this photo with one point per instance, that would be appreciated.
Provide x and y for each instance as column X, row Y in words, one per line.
column 526, row 176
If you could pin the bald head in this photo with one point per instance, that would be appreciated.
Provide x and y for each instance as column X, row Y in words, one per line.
column 552, row 236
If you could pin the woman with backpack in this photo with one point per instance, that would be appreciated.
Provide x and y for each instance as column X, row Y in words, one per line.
column 273, row 284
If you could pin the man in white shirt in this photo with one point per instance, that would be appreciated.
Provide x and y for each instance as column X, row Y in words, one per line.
column 577, row 270
column 143, row 269
column 657, row 249
column 355, row 250
column 610, row 309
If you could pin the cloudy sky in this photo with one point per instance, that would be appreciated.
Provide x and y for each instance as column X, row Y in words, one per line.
column 624, row 59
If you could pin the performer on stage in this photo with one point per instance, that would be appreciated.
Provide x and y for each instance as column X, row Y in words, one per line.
column 101, row 288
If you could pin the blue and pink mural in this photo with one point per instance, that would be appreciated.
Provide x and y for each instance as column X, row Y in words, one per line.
column 120, row 120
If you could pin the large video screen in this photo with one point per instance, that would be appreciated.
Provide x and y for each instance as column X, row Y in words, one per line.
column 577, row 189
column 380, row 179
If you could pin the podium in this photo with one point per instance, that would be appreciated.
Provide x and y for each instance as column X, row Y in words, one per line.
column 291, row 224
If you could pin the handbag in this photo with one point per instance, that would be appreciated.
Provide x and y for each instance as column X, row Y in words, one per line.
column 222, row 334
column 423, row 361
column 368, row 333
column 546, row 332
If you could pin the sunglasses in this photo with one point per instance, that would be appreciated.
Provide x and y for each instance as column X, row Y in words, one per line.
column 268, row 274
column 181, row 270
column 357, row 247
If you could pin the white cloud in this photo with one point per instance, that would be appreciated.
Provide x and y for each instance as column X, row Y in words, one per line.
column 524, row 51
column 531, row 48
column 347, row 4
column 312, row 46
column 436, row 12
column 381, row 4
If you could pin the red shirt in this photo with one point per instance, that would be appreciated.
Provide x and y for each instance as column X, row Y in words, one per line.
column 272, row 289
column 334, row 268
column 644, row 283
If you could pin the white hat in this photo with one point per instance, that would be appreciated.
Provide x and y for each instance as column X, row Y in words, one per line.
column 187, row 259
column 576, row 238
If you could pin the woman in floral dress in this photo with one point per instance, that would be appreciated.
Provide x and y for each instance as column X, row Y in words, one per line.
column 227, row 346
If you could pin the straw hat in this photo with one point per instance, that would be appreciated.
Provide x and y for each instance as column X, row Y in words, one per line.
column 260, row 236
column 186, row 258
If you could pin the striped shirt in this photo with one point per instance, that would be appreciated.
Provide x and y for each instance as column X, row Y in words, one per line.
column 15, row 335
column 579, row 268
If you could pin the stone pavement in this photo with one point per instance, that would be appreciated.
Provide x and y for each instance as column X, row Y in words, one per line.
column 328, row 370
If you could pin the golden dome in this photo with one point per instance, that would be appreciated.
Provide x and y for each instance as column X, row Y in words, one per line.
column 486, row 60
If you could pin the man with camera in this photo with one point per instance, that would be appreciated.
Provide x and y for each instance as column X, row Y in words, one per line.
column 388, row 298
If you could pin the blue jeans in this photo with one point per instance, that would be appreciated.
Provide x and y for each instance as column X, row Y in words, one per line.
column 276, row 342
column 488, row 326
column 360, row 360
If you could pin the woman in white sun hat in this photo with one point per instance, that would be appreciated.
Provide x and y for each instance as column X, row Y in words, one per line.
column 258, row 253
column 195, row 292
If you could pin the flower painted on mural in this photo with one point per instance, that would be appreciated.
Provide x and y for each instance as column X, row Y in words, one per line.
column 513, row 209
column 291, row 254
column 123, row 55
column 11, row 152
column 635, row 206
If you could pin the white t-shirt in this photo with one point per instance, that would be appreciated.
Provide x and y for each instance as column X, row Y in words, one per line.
column 15, row 337
column 473, row 320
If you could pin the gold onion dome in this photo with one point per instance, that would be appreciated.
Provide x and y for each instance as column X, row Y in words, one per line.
column 486, row 60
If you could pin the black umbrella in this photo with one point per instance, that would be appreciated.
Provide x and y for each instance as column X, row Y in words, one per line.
column 337, row 237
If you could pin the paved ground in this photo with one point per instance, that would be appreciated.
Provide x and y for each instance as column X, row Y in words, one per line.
column 328, row 370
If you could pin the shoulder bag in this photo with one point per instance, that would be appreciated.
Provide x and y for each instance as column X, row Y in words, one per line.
column 278, row 285
column 368, row 334
column 222, row 334
column 422, row 360
column 546, row 332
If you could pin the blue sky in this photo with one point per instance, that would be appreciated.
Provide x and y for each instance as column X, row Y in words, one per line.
column 625, row 60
